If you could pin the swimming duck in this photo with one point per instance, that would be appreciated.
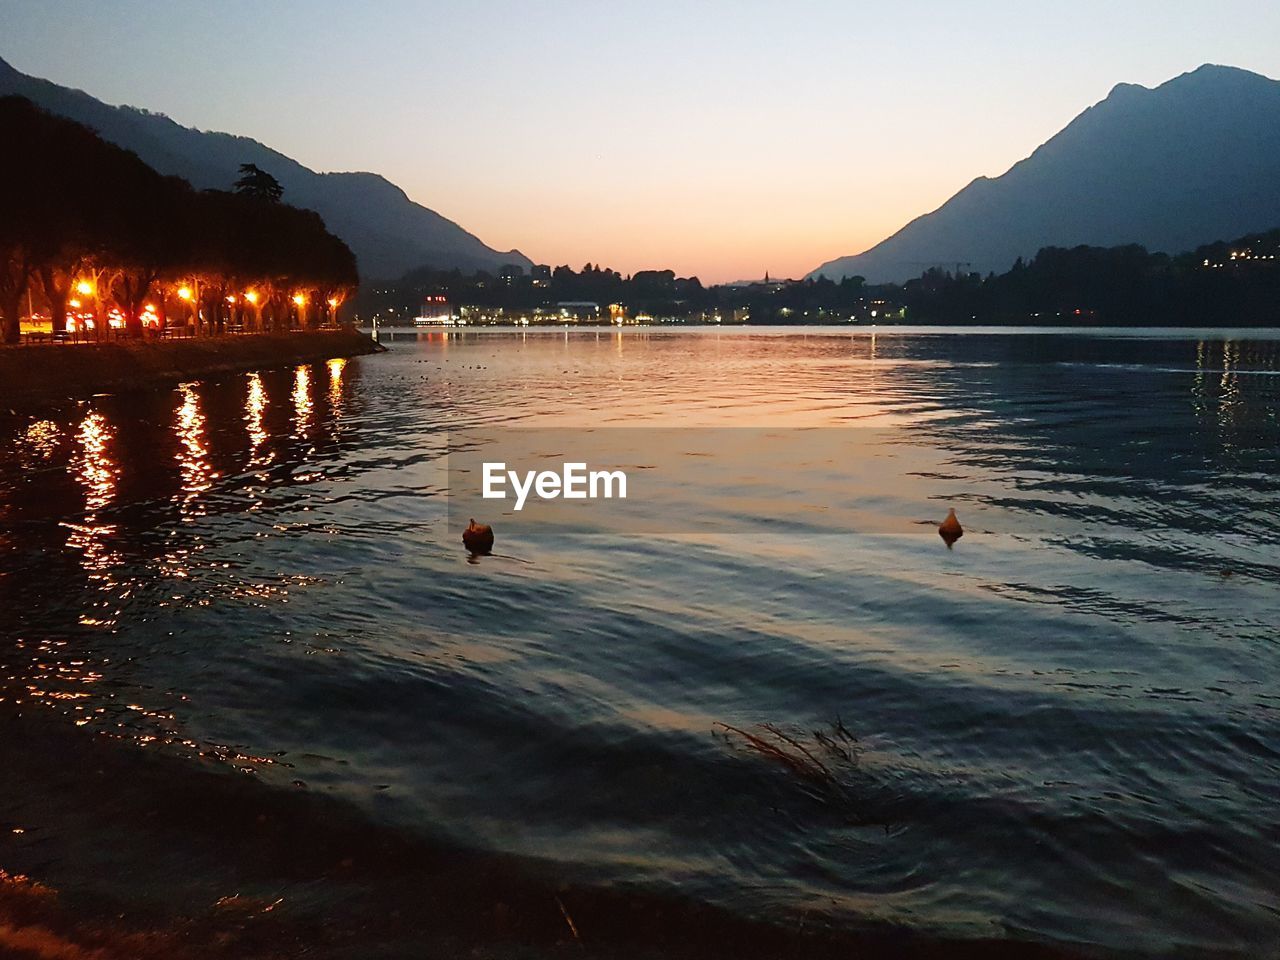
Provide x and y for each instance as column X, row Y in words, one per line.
column 478, row 537
column 950, row 530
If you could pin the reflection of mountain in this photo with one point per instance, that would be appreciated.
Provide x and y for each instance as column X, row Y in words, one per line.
column 389, row 233
column 1195, row 160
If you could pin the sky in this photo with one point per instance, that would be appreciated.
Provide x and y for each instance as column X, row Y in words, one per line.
column 717, row 139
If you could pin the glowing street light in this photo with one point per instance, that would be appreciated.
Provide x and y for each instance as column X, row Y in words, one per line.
column 84, row 288
column 231, row 298
column 299, row 299
column 184, row 293
column 333, row 301
column 251, row 296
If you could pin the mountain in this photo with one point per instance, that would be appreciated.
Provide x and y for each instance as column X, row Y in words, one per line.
column 1193, row 160
column 389, row 233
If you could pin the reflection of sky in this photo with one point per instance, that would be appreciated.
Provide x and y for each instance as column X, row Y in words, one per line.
column 634, row 648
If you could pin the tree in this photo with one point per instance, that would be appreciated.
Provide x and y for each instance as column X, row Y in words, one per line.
column 257, row 183
column 46, row 193
column 78, row 212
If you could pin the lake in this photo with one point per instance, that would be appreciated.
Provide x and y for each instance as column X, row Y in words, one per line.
column 1064, row 730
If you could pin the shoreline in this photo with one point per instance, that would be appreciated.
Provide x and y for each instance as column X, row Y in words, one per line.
column 270, row 871
column 1149, row 329
column 33, row 375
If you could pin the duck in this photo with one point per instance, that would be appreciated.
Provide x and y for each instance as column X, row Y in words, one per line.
column 478, row 537
column 950, row 530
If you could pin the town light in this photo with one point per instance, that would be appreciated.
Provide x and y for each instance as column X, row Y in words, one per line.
column 251, row 296
column 184, row 293
column 231, row 298
column 333, row 301
column 84, row 287
column 299, row 299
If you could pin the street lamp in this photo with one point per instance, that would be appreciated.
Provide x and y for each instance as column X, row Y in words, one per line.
column 300, row 300
column 192, row 296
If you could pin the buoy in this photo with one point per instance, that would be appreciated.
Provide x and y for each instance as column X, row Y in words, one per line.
column 478, row 537
column 950, row 530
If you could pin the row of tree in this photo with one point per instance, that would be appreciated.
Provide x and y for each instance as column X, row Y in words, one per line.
column 656, row 292
column 1221, row 284
column 1225, row 283
column 84, row 220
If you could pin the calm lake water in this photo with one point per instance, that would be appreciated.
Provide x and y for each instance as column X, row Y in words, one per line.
column 1065, row 730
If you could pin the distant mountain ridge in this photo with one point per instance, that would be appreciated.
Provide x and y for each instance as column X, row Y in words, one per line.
column 1190, row 161
column 389, row 233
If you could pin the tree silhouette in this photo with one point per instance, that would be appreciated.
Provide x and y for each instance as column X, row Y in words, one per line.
column 257, row 183
column 75, row 210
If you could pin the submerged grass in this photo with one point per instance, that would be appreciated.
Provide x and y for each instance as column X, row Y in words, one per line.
column 812, row 761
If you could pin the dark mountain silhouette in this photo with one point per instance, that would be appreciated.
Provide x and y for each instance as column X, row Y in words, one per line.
column 1196, row 158
column 389, row 233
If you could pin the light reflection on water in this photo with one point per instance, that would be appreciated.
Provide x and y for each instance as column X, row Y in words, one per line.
column 90, row 536
column 42, row 438
column 255, row 408
column 1043, row 721
column 192, row 453
column 96, row 471
column 336, row 366
column 303, row 404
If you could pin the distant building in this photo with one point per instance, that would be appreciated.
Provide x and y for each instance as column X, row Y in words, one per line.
column 578, row 309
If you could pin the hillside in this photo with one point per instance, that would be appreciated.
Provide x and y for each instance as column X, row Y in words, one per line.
column 1196, row 157
column 389, row 233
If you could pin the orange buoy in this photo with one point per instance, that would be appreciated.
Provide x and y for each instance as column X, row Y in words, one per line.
column 950, row 530
column 478, row 537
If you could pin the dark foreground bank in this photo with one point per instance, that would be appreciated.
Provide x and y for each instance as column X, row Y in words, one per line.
column 31, row 375
column 217, row 865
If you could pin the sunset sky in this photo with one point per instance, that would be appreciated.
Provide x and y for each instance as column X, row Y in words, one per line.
column 718, row 139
